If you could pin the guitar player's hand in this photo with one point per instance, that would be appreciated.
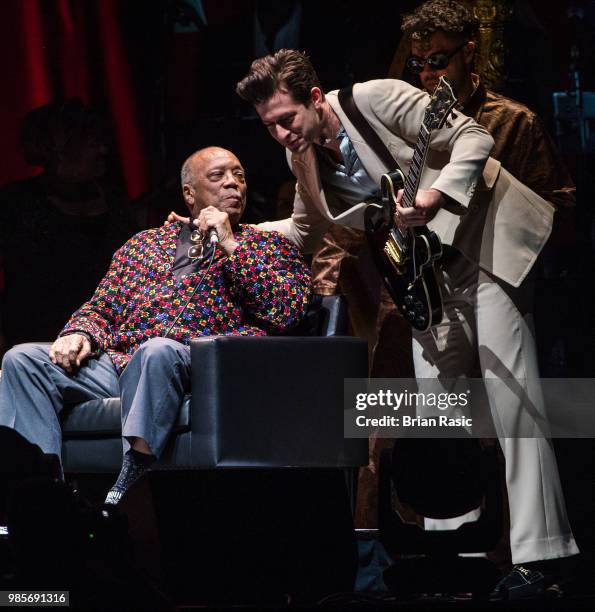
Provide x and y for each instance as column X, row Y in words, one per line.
column 427, row 204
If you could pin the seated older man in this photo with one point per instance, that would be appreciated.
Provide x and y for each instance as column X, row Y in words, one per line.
column 164, row 287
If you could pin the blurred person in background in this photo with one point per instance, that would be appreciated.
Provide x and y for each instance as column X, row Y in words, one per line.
column 59, row 229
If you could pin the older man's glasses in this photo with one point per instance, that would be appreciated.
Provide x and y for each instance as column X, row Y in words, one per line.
column 436, row 61
column 195, row 251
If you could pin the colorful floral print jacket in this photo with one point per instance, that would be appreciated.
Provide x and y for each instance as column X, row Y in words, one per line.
column 263, row 287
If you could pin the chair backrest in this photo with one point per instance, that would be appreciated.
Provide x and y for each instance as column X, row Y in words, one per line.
column 333, row 316
column 326, row 316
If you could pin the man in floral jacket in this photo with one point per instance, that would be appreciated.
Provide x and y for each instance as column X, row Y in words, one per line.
column 164, row 287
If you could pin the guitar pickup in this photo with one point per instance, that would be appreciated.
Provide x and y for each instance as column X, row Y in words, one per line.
column 395, row 255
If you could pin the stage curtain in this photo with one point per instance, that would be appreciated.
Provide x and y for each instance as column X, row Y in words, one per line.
column 68, row 48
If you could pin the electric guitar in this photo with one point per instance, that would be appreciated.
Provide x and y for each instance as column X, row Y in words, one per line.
column 405, row 257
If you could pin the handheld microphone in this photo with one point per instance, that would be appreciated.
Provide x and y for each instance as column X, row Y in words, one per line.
column 213, row 236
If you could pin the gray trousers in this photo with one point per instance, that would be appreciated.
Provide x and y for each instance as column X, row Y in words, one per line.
column 33, row 391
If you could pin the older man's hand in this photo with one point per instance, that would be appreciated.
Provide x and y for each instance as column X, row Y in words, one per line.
column 211, row 217
column 427, row 204
column 173, row 217
column 69, row 351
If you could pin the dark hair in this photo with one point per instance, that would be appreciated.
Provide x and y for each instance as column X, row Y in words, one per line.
column 287, row 69
column 447, row 16
column 48, row 129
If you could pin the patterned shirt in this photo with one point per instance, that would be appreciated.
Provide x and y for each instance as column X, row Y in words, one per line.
column 263, row 287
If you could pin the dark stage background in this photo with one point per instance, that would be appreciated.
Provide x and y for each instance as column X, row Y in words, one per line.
column 163, row 73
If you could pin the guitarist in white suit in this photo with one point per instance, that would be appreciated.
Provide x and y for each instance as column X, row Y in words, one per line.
column 492, row 228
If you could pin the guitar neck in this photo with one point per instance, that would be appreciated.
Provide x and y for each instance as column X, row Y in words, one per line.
column 416, row 168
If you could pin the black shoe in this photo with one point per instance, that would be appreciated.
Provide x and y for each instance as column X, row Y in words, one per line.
column 520, row 583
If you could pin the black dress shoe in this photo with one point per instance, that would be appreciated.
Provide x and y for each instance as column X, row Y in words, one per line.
column 520, row 583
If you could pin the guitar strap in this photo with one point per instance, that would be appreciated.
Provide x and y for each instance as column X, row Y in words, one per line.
column 365, row 129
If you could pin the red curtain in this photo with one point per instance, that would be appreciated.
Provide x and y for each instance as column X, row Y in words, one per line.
column 68, row 48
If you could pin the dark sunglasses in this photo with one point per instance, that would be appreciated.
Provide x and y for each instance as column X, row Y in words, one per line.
column 436, row 61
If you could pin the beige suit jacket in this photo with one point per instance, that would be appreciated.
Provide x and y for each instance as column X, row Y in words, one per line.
column 498, row 222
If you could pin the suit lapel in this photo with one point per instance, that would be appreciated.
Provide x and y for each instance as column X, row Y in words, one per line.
column 371, row 162
column 306, row 165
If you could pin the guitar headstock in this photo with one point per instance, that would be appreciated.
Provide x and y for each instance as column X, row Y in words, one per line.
column 441, row 104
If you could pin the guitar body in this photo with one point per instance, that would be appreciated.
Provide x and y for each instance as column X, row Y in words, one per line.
column 405, row 257
column 405, row 261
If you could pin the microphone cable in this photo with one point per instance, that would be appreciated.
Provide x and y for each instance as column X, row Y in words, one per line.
column 194, row 290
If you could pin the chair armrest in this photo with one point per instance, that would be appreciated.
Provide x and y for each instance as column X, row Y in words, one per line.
column 274, row 401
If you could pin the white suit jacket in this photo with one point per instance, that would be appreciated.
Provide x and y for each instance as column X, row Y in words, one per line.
column 498, row 222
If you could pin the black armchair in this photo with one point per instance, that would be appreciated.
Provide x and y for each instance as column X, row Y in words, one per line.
column 255, row 402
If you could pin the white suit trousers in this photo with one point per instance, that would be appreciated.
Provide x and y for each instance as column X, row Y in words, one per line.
column 487, row 332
